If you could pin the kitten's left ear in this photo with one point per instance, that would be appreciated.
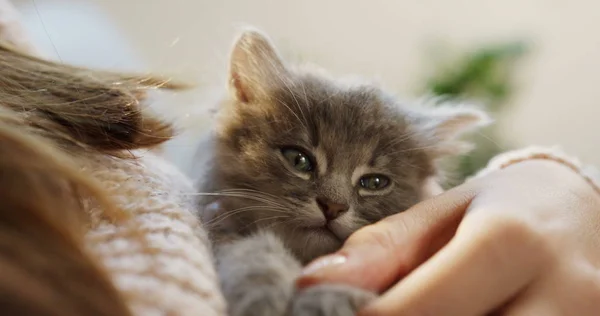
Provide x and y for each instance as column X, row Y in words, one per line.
column 439, row 128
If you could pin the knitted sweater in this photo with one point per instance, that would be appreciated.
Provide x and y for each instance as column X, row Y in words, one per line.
column 160, row 257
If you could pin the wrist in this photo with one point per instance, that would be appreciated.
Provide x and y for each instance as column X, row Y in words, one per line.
column 551, row 159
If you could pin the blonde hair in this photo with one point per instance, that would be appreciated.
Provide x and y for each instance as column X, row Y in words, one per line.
column 49, row 114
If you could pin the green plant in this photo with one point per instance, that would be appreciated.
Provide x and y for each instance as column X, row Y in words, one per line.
column 484, row 74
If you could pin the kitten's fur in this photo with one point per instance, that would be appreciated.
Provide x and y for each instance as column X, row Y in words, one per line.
column 268, row 222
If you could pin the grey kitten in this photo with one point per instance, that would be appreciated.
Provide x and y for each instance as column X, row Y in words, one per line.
column 301, row 161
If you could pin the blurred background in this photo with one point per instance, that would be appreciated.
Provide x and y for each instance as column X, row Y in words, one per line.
column 535, row 63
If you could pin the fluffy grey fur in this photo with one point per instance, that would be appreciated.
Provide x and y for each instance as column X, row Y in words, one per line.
column 299, row 162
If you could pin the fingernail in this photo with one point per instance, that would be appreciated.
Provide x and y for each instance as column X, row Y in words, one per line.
column 323, row 263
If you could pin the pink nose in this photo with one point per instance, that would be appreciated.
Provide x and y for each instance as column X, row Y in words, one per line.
column 331, row 210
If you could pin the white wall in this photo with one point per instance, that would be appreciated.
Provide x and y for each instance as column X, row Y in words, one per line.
column 559, row 91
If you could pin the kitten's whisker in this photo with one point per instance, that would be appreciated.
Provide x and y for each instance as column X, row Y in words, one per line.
column 290, row 220
column 251, row 208
column 263, row 219
column 253, row 197
column 251, row 190
column 268, row 196
column 221, row 217
column 250, row 197
column 257, row 198
column 488, row 138
column 259, row 207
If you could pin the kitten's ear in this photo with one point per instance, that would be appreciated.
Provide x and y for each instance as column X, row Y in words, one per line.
column 255, row 66
column 440, row 127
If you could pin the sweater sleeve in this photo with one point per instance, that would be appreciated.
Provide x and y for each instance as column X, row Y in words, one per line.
column 588, row 172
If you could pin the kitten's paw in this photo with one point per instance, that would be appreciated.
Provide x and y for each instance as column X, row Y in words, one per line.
column 260, row 301
column 330, row 300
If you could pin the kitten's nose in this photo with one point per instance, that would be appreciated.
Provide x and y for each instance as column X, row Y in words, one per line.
column 330, row 209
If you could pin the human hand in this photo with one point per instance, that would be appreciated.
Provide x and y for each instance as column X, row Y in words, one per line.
column 524, row 240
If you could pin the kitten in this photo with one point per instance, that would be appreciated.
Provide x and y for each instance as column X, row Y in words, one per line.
column 301, row 161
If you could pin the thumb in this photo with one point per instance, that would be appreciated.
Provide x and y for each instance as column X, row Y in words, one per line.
column 378, row 255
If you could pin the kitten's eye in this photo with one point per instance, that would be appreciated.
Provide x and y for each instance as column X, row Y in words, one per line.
column 297, row 159
column 374, row 182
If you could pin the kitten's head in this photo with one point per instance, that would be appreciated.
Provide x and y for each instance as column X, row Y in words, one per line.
column 327, row 157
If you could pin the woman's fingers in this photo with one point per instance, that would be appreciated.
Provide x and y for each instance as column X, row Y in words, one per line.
column 480, row 269
column 376, row 256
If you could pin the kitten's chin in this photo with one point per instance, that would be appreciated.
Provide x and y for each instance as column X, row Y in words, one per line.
column 316, row 242
column 324, row 233
column 308, row 243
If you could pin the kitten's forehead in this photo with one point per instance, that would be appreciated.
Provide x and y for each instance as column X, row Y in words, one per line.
column 352, row 124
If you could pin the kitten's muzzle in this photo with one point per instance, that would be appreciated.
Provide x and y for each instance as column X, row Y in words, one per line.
column 331, row 209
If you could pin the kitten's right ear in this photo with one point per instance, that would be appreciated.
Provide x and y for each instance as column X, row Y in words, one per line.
column 439, row 125
column 255, row 66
